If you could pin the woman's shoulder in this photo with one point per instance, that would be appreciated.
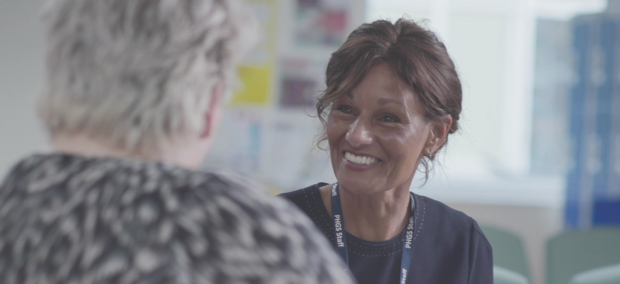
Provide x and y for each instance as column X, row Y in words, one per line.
column 447, row 237
column 161, row 205
column 438, row 216
column 300, row 196
column 309, row 201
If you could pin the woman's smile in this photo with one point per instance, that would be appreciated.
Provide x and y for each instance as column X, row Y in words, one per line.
column 359, row 162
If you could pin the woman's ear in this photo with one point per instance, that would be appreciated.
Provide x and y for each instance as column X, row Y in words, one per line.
column 213, row 112
column 439, row 130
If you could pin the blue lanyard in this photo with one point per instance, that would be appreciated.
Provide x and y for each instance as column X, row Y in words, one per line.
column 341, row 237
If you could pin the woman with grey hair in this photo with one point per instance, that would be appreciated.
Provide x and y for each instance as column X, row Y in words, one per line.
column 132, row 99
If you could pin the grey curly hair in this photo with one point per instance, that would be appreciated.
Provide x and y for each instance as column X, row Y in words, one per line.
column 135, row 74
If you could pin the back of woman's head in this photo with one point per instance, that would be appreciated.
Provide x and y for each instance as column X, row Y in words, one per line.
column 415, row 54
column 135, row 74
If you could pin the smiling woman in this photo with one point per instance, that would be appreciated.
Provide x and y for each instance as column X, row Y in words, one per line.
column 393, row 97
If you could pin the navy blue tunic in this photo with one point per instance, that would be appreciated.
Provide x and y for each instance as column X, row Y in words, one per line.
column 449, row 247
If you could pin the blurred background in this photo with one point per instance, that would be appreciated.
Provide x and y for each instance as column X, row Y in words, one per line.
column 538, row 153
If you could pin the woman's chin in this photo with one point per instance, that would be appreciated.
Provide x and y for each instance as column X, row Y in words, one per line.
column 358, row 186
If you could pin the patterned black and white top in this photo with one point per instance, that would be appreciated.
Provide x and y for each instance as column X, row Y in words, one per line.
column 71, row 219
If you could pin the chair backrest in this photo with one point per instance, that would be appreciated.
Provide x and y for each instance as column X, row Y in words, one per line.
column 508, row 251
column 573, row 252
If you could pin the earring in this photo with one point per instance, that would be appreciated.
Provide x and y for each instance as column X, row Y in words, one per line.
column 427, row 152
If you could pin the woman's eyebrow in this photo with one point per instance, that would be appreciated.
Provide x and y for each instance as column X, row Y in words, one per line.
column 382, row 102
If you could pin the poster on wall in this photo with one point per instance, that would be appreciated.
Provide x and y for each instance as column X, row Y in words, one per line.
column 301, row 80
column 256, row 72
column 321, row 22
column 255, row 85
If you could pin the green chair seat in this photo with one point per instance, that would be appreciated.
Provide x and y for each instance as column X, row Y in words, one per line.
column 570, row 253
column 603, row 275
column 505, row 276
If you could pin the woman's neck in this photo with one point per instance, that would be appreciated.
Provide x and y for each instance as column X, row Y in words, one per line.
column 378, row 217
column 85, row 146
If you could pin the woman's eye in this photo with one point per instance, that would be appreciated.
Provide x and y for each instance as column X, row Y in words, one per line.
column 345, row 109
column 389, row 118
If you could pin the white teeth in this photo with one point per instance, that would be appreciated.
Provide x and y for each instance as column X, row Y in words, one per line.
column 360, row 160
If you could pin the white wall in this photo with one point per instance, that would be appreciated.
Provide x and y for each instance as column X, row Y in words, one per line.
column 21, row 77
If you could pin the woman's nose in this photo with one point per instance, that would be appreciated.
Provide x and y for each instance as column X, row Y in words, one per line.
column 359, row 134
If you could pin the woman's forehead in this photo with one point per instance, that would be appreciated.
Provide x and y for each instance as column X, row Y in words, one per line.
column 383, row 80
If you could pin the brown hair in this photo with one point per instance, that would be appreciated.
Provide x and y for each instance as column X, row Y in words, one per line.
column 417, row 56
